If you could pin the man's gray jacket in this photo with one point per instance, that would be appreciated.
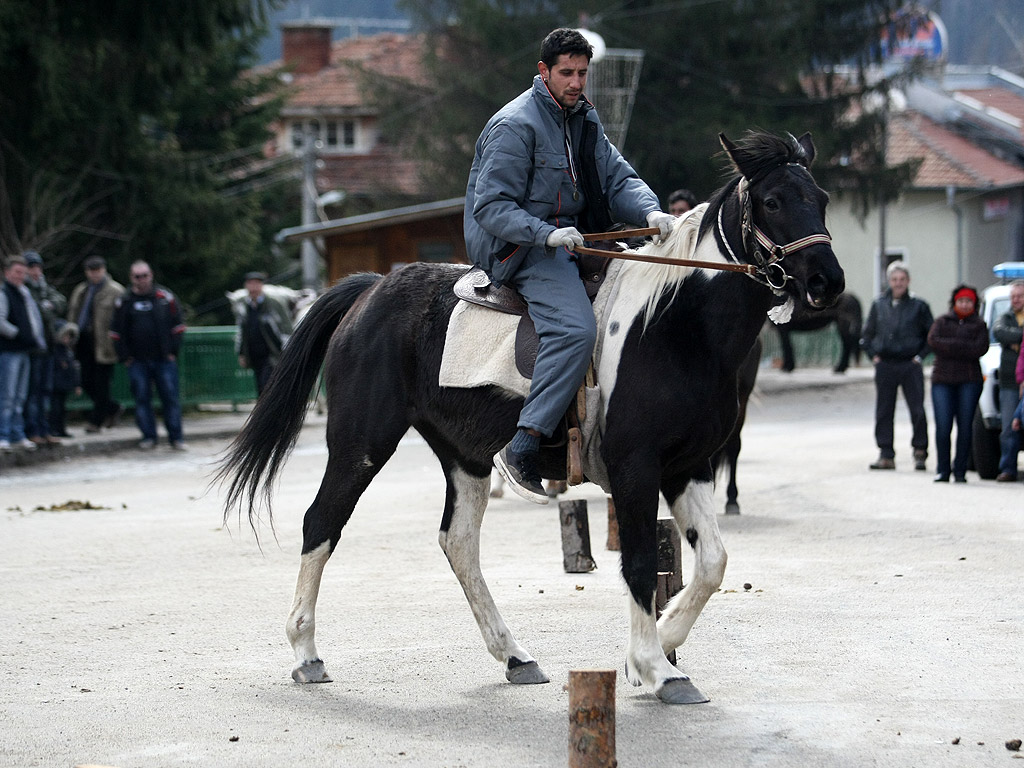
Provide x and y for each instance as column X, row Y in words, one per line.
column 521, row 185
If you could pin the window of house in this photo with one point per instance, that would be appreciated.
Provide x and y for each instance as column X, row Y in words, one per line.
column 333, row 135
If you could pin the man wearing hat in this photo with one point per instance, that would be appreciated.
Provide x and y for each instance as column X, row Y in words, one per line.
column 264, row 321
column 52, row 306
column 91, row 308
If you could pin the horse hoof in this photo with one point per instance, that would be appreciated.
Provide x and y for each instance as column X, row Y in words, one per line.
column 311, row 672
column 732, row 508
column 525, row 673
column 680, row 690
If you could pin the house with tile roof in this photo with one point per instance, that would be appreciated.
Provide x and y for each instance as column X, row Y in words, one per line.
column 329, row 100
column 963, row 212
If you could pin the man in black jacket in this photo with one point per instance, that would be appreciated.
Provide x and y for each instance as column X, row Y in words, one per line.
column 21, row 332
column 896, row 339
column 147, row 330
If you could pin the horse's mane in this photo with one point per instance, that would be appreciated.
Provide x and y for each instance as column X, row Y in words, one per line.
column 757, row 153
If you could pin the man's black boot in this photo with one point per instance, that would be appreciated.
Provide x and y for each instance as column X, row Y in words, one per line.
column 520, row 470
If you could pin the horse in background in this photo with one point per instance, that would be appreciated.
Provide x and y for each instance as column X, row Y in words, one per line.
column 728, row 455
column 671, row 346
column 848, row 316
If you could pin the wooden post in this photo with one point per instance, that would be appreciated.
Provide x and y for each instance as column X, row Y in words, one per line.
column 670, row 555
column 592, row 718
column 576, row 555
column 661, row 598
column 612, row 544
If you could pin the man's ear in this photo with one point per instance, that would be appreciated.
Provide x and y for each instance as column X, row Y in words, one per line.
column 543, row 69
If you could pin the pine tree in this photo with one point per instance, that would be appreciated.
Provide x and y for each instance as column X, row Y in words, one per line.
column 708, row 68
column 121, row 126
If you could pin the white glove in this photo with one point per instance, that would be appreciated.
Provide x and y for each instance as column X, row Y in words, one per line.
column 566, row 237
column 663, row 221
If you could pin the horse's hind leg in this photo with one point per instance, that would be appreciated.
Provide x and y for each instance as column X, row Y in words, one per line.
column 694, row 513
column 460, row 539
column 344, row 481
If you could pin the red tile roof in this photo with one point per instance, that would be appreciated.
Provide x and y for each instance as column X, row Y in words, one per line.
column 947, row 159
column 1002, row 100
column 339, row 86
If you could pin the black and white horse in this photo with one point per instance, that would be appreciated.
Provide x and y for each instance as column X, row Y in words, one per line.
column 672, row 344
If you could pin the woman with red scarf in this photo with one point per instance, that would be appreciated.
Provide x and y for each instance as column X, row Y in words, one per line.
column 958, row 338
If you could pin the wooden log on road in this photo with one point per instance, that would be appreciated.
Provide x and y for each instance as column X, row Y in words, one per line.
column 592, row 718
column 576, row 552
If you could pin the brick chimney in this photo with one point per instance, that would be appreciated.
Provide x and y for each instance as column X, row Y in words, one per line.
column 306, row 45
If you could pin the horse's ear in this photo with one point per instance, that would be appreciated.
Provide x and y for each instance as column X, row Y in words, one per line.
column 808, row 147
column 731, row 150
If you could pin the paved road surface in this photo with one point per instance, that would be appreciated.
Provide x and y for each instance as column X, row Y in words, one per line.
column 884, row 620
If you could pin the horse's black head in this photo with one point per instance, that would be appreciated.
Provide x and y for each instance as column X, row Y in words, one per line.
column 783, row 201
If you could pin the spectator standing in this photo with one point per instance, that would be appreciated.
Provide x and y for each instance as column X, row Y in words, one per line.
column 91, row 309
column 52, row 306
column 264, row 327
column 147, row 330
column 67, row 377
column 895, row 337
column 681, row 201
column 1007, row 330
column 958, row 338
column 21, row 333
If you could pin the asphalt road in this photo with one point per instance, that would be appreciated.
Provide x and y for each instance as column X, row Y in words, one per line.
column 883, row 626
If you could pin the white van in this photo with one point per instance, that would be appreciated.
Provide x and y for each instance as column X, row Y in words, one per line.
column 995, row 301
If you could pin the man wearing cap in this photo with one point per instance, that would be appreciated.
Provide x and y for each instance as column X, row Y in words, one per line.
column 52, row 306
column 91, row 309
column 264, row 326
column 21, row 333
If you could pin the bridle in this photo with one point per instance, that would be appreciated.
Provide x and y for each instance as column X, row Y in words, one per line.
column 764, row 264
column 765, row 254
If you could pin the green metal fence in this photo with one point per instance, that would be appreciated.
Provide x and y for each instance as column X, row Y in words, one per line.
column 207, row 368
column 812, row 349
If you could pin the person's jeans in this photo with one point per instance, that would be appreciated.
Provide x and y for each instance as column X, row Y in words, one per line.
column 40, row 387
column 954, row 402
column 14, row 369
column 566, row 329
column 1009, row 441
column 890, row 376
column 143, row 375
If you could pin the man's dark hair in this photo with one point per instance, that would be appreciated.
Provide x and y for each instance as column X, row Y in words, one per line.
column 564, row 40
column 685, row 195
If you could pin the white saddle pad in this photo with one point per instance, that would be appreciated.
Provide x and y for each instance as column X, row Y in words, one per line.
column 479, row 350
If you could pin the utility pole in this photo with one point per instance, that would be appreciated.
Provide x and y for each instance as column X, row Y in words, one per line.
column 310, row 257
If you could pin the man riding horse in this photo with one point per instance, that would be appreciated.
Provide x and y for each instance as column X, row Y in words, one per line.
column 543, row 170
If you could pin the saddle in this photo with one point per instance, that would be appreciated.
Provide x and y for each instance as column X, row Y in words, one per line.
column 476, row 287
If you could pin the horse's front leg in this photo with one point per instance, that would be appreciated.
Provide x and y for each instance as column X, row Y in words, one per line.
column 635, row 492
column 694, row 513
column 460, row 539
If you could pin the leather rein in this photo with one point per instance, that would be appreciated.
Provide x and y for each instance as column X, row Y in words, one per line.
column 766, row 254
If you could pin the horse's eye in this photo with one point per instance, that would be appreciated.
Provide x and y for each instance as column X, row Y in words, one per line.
column 771, row 204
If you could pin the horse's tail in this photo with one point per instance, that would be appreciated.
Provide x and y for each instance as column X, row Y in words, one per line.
column 256, row 455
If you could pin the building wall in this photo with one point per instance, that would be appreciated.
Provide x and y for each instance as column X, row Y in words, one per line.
column 924, row 227
column 386, row 248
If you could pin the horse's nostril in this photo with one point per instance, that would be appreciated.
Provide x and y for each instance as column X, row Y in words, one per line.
column 817, row 285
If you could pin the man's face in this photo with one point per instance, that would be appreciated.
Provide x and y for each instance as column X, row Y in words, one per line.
column 95, row 274
column 35, row 272
column 567, row 79
column 678, row 208
column 899, row 282
column 1017, row 298
column 15, row 274
column 142, row 279
column 254, row 287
